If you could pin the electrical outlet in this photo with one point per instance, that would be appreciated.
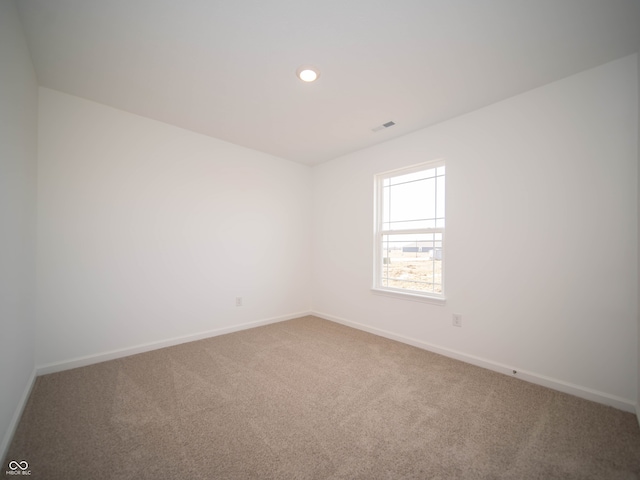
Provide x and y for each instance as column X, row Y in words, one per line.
column 238, row 301
column 457, row 320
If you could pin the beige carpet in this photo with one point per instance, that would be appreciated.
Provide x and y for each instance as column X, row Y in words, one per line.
column 310, row 399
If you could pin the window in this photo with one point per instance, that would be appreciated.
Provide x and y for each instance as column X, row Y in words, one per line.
column 409, row 233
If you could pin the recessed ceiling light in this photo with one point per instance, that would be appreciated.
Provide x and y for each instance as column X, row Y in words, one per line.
column 307, row 73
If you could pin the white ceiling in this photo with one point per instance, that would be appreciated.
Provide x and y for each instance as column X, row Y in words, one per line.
column 226, row 68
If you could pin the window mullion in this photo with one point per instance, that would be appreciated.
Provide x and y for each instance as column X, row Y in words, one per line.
column 411, row 231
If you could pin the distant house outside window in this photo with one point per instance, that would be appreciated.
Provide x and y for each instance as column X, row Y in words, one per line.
column 409, row 231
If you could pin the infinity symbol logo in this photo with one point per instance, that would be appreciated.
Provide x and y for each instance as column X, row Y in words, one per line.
column 13, row 465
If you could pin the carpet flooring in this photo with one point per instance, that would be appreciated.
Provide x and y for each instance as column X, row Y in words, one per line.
column 311, row 399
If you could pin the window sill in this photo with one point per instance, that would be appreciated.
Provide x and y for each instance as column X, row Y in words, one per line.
column 410, row 296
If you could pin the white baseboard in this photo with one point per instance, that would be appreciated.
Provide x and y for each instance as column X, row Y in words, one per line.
column 125, row 352
column 8, row 436
column 555, row 384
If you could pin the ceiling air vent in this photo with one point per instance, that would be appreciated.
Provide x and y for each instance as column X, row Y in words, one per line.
column 383, row 126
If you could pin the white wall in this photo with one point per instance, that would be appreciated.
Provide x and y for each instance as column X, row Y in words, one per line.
column 148, row 232
column 541, row 234
column 638, row 194
column 18, row 130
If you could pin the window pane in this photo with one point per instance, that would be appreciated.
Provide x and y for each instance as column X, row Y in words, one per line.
column 413, row 204
column 440, row 201
column 412, row 262
column 410, row 177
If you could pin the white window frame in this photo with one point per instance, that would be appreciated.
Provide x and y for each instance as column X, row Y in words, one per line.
column 380, row 232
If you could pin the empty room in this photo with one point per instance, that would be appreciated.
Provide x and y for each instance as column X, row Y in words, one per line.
column 288, row 239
